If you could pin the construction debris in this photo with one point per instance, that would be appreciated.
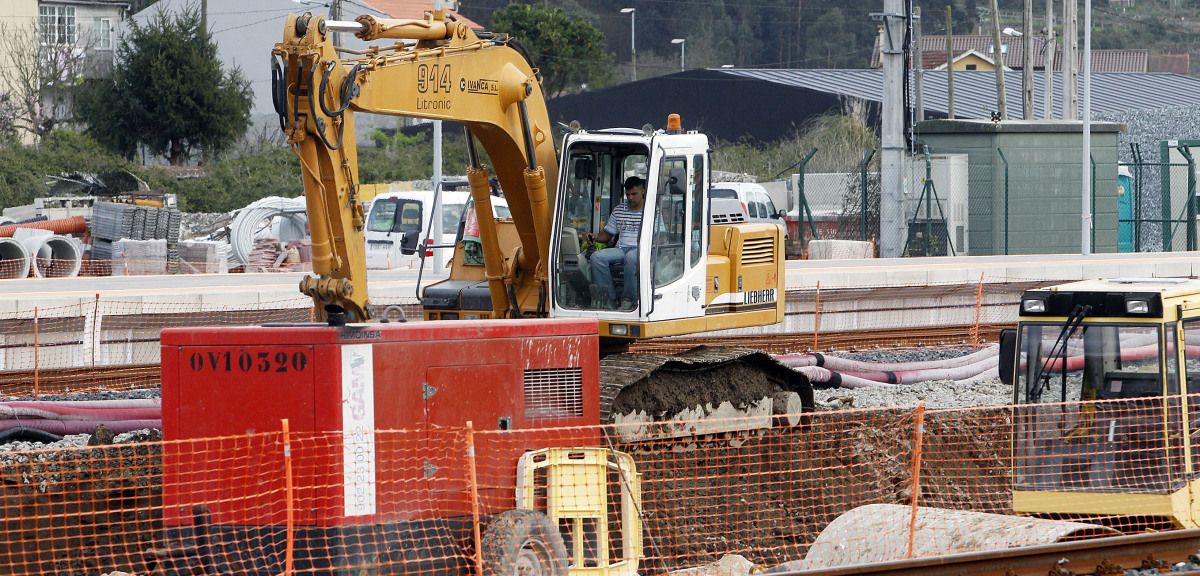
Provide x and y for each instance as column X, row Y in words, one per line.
column 203, row 257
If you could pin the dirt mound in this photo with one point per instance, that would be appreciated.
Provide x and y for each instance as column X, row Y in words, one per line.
column 80, row 511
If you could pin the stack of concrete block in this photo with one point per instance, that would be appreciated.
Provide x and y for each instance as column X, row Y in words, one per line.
column 139, row 257
column 114, row 221
column 203, row 257
column 840, row 249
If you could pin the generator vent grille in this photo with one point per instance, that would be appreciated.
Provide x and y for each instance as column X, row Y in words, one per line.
column 758, row 250
column 553, row 393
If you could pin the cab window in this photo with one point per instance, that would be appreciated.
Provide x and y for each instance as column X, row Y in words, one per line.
column 668, row 238
column 591, row 188
column 698, row 204
column 768, row 206
column 395, row 215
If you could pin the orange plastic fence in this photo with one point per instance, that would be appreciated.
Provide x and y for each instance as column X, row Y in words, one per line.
column 113, row 344
column 439, row 500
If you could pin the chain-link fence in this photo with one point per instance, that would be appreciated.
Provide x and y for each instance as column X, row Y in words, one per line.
column 1008, row 200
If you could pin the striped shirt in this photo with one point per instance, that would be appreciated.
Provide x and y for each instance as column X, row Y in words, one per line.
column 625, row 224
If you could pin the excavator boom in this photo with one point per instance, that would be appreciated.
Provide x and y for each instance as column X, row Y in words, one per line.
column 439, row 69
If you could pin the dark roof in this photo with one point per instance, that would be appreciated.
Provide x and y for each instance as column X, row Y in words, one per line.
column 767, row 105
column 1103, row 60
column 975, row 91
column 723, row 106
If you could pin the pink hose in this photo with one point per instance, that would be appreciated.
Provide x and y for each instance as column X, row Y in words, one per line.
column 923, row 375
column 88, row 410
column 845, row 365
column 831, row 379
column 65, row 427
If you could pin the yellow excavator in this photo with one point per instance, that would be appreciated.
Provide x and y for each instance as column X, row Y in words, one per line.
column 690, row 264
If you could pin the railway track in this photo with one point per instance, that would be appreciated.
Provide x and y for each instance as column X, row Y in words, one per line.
column 1142, row 553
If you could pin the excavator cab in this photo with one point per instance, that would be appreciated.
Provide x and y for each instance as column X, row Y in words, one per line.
column 1107, row 396
column 631, row 279
column 686, row 273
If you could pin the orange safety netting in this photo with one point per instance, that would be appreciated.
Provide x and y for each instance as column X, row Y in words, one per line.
column 113, row 344
column 440, row 499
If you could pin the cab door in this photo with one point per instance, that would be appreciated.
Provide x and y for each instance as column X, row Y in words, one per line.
column 677, row 234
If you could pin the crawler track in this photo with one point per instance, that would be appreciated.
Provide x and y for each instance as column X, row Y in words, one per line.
column 1102, row 557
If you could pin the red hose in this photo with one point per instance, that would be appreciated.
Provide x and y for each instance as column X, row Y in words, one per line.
column 72, row 225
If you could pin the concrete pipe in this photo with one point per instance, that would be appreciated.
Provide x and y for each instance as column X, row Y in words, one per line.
column 55, row 256
column 14, row 259
column 880, row 533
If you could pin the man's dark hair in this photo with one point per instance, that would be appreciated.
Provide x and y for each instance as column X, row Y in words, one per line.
column 633, row 182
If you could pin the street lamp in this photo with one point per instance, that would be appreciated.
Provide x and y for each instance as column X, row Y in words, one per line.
column 682, row 42
column 632, row 38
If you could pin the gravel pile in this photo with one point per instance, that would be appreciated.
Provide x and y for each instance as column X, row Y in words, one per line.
column 139, row 394
column 935, row 394
column 202, row 224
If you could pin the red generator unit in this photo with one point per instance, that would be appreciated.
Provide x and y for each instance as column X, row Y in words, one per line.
column 380, row 471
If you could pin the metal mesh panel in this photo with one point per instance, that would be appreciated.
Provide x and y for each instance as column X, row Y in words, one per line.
column 553, row 393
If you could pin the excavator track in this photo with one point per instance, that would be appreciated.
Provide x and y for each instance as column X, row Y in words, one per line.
column 698, row 392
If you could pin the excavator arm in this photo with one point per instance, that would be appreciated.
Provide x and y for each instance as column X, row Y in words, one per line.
column 436, row 69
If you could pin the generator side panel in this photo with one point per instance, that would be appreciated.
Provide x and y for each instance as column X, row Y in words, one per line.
column 223, row 409
column 520, row 392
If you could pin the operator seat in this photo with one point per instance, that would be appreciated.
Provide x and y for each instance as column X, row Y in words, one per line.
column 573, row 259
column 575, row 273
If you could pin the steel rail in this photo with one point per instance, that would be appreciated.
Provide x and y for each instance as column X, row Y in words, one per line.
column 1101, row 556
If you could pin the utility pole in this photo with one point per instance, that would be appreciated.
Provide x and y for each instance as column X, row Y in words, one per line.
column 203, row 18
column 335, row 13
column 1069, row 61
column 439, row 263
column 949, row 62
column 1027, row 64
column 998, row 59
column 891, row 173
column 918, row 63
column 1049, row 49
column 1085, row 222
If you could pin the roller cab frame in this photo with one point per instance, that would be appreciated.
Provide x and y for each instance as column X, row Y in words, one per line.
column 1106, row 380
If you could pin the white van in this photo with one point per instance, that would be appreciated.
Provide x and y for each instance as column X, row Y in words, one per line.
column 398, row 221
column 754, row 198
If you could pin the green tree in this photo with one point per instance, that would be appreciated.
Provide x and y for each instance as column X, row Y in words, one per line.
column 25, row 170
column 168, row 93
column 568, row 51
